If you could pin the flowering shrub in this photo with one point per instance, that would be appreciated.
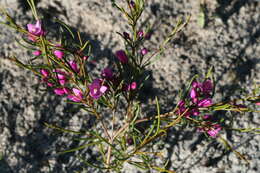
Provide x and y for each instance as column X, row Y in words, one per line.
column 62, row 68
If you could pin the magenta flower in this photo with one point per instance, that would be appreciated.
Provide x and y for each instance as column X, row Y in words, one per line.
column 200, row 93
column 195, row 111
column 44, row 72
column 207, row 87
column 59, row 54
column 74, row 66
column 144, row 51
column 66, row 90
column 50, row 84
column 59, row 91
column 195, row 84
column 181, row 109
column 36, row 29
column 193, row 93
column 62, row 81
column 37, row 53
column 61, row 76
column 107, row 73
column 133, row 85
column 205, row 102
column 129, row 87
column 140, row 34
column 76, row 95
column 121, row 56
column 97, row 89
column 214, row 130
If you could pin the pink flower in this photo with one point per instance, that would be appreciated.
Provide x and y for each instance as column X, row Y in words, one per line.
column 44, row 72
column 205, row 102
column 37, row 53
column 74, row 66
column 121, row 56
column 130, row 87
column 140, row 34
column 258, row 104
column 62, row 81
column 144, row 51
column 76, row 95
column 97, row 89
column 181, row 103
column 66, row 90
column 59, row 91
column 133, row 85
column 59, row 54
column 107, row 73
column 36, row 29
column 214, row 130
column 61, row 76
column 193, row 93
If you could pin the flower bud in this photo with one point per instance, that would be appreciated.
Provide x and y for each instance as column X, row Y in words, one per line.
column 107, row 73
column 214, row 130
column 74, row 66
column 140, row 34
column 132, row 4
column 59, row 54
column 76, row 95
column 133, row 85
column 59, row 91
column 205, row 102
column 44, row 72
column 144, row 51
column 37, row 53
column 121, row 56
column 126, row 35
column 193, row 93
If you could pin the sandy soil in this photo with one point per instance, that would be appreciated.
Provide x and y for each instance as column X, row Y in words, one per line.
column 229, row 41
